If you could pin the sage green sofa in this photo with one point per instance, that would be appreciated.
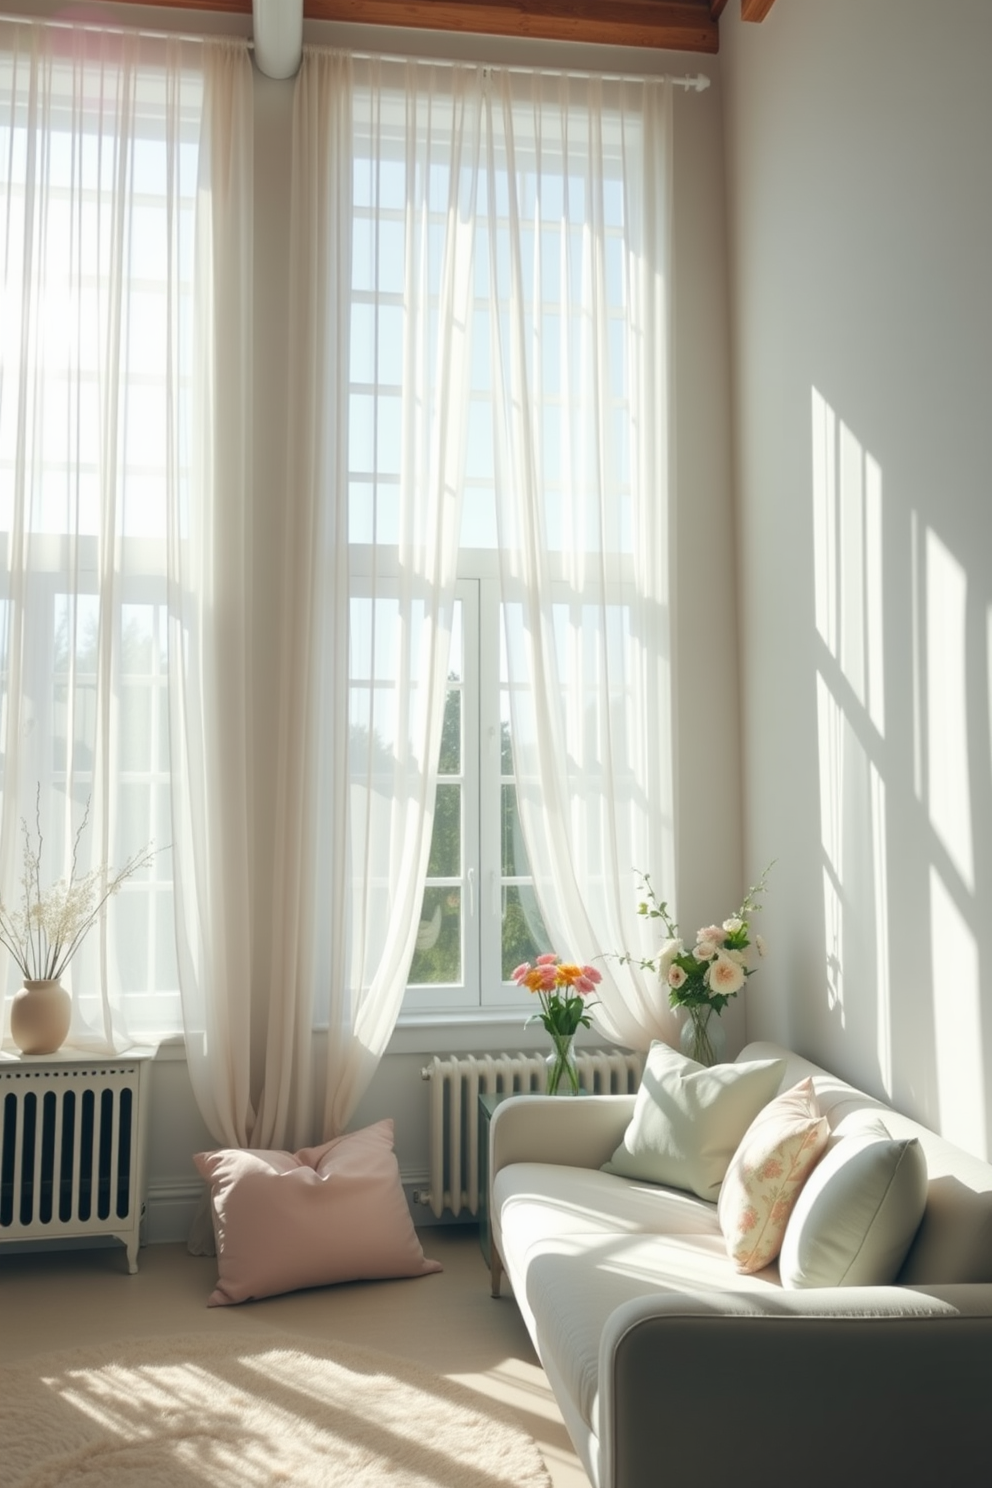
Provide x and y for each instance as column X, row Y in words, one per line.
column 671, row 1368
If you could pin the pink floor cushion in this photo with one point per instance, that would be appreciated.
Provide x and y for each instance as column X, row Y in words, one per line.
column 285, row 1220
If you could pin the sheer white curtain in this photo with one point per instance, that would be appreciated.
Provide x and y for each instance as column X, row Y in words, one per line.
column 385, row 158
column 124, row 369
column 578, row 228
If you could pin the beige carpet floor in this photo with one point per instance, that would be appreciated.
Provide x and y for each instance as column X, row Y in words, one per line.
column 251, row 1411
column 448, row 1323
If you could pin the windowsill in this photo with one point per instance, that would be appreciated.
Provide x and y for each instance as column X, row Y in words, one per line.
column 440, row 1033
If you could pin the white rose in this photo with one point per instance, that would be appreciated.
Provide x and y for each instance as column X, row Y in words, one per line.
column 667, row 955
column 734, row 924
column 725, row 976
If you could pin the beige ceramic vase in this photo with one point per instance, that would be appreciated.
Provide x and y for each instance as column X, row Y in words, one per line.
column 39, row 1017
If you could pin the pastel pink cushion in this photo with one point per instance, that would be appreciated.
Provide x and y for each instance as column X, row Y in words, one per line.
column 776, row 1155
column 285, row 1220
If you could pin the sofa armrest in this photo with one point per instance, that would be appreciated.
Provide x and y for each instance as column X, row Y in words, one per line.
column 581, row 1131
column 879, row 1385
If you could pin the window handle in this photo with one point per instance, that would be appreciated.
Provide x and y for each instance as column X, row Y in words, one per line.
column 471, row 893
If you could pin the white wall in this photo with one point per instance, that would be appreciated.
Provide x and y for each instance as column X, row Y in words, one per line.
column 860, row 211
column 705, row 660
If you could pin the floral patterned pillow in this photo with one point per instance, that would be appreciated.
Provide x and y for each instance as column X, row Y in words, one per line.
column 776, row 1155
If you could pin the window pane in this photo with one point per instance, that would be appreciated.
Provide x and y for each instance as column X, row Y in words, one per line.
column 513, row 853
column 450, row 762
column 446, row 840
column 437, row 959
column 523, row 932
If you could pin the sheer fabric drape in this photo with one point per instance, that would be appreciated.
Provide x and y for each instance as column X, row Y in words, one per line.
column 527, row 217
column 124, row 364
column 381, row 269
column 578, row 219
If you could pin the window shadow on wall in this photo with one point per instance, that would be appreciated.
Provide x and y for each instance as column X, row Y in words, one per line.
column 903, row 686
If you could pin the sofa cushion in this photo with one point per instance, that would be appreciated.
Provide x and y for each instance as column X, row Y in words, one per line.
column 855, row 1219
column 766, row 1174
column 547, row 1199
column 568, row 1288
column 688, row 1119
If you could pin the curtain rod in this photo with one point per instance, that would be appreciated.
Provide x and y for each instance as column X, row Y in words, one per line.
column 696, row 82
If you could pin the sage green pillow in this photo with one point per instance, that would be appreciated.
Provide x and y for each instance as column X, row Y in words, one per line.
column 853, row 1223
column 688, row 1120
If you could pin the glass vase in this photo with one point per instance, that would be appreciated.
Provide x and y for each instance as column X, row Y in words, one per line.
column 562, row 1070
column 702, row 1036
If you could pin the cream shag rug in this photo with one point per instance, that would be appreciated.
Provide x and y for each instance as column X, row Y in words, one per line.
column 251, row 1411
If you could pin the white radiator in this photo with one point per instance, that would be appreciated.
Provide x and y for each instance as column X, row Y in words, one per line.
column 456, row 1084
column 72, row 1138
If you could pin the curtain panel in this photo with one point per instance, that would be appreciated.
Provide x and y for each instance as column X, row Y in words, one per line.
column 381, row 262
column 578, row 221
column 125, row 371
column 463, row 233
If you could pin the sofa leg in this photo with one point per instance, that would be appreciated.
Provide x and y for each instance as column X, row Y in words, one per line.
column 495, row 1271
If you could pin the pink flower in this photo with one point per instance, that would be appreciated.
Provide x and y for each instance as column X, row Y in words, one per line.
column 711, row 933
column 548, row 959
column 587, row 981
column 676, row 976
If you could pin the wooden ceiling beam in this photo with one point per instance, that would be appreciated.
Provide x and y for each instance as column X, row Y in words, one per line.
column 755, row 10
column 674, row 25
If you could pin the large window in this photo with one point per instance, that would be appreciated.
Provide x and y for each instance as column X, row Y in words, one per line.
column 544, row 247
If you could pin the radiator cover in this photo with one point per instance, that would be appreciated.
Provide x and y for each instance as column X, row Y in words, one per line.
column 73, row 1136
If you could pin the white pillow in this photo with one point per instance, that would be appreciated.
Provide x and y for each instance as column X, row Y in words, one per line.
column 858, row 1212
column 689, row 1119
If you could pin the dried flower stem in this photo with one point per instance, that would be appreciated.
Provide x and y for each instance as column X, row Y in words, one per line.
column 44, row 935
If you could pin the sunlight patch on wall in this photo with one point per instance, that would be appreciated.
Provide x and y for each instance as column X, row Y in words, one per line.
column 957, row 1021
column 848, row 573
column 948, row 789
column 847, row 526
column 833, row 922
column 880, row 868
column 853, row 832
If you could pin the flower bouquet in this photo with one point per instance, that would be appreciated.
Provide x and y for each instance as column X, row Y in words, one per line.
column 562, row 987
column 704, row 979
